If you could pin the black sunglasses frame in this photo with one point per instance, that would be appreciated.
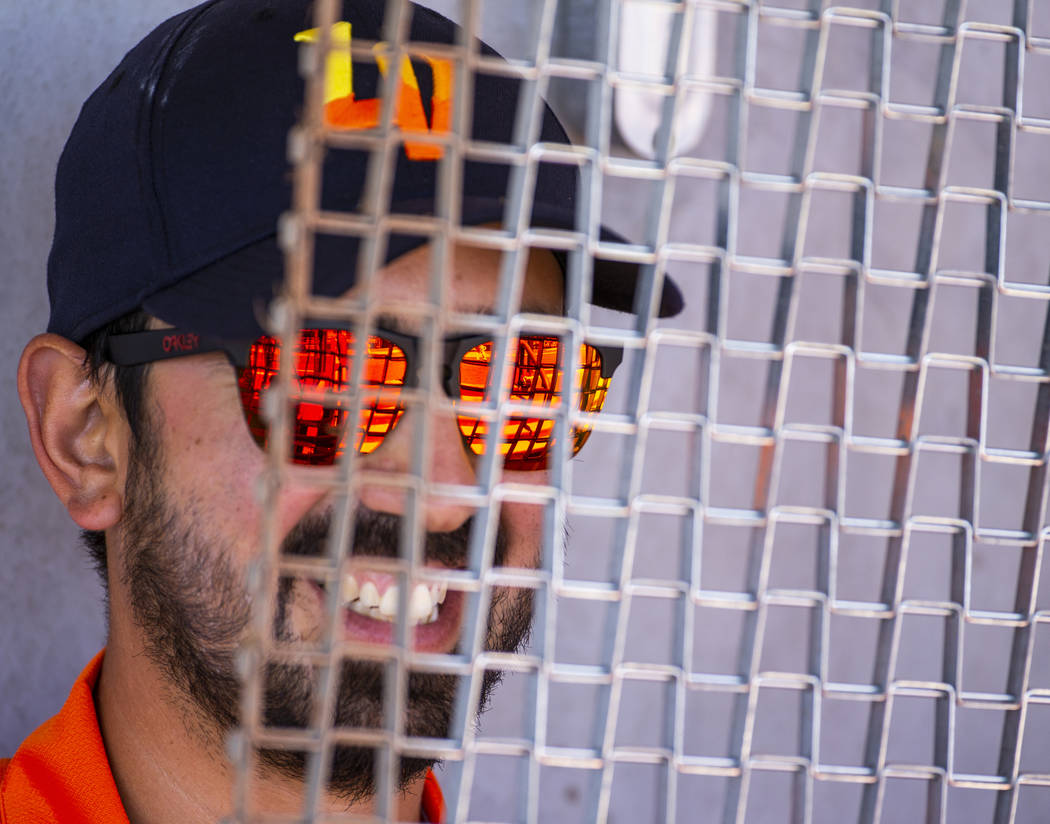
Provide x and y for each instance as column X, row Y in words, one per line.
column 152, row 345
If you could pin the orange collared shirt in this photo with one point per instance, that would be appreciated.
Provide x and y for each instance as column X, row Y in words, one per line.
column 60, row 774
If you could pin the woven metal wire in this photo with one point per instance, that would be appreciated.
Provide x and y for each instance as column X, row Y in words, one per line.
column 802, row 577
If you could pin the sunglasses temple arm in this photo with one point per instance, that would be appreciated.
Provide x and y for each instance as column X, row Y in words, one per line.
column 137, row 348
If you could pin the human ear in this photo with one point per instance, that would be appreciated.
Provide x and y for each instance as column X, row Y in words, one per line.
column 77, row 432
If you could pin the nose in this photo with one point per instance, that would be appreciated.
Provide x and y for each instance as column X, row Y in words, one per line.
column 447, row 463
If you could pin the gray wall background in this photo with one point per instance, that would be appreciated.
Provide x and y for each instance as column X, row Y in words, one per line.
column 55, row 53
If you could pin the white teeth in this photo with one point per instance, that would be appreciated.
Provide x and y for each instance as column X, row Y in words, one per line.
column 370, row 595
column 350, row 589
column 365, row 600
column 388, row 606
column 422, row 605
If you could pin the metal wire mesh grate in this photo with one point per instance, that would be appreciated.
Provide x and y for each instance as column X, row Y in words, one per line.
column 802, row 575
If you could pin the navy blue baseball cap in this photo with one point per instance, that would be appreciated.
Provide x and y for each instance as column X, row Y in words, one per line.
column 171, row 185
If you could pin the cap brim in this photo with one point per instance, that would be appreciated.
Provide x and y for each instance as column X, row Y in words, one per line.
column 230, row 298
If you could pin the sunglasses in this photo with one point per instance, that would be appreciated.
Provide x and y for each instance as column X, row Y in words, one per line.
column 323, row 363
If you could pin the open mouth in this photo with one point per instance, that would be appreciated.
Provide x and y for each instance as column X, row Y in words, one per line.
column 376, row 595
column 369, row 600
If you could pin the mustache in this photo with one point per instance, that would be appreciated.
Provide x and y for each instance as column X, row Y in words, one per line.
column 378, row 534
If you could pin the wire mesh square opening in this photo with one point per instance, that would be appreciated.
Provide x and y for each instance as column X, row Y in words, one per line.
column 979, row 734
column 988, row 67
column 682, row 479
column 858, row 564
column 971, row 229
column 645, row 708
column 877, row 499
column 690, row 359
column 835, row 227
column 581, row 630
column 513, row 708
column 741, row 464
column 908, row 156
column 794, row 45
column 568, row 791
column 836, row 800
column 916, row 64
column 766, row 227
column 961, row 317
column 816, row 382
column 844, row 723
column 743, row 393
column 642, row 789
column 728, row 556
column 972, row 802
column 980, row 155
column 1027, row 313
column 934, row 564
column 663, row 552
column 927, row 646
column 699, row 201
column 791, row 638
column 783, row 721
column 1002, row 580
column 708, row 723
column 913, row 797
column 719, row 648
column 846, row 138
column 806, row 470
column 1039, row 665
column 583, row 726
column 853, row 642
column 952, row 463
column 652, row 627
column 950, row 393
column 1027, row 262
column 778, row 794
column 1036, row 61
column 918, row 730
column 1000, row 647
column 891, row 312
column 827, row 306
column 1006, row 498
column 853, row 61
column 901, row 242
column 720, row 141
column 877, row 394
column 799, row 555
column 1032, row 798
column 1035, row 749
column 498, row 787
column 773, row 142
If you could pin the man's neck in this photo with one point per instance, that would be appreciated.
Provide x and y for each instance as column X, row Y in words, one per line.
column 164, row 771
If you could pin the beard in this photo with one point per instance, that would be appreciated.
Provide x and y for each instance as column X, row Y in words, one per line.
column 194, row 608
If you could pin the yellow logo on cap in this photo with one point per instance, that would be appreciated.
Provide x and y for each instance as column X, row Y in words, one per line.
column 344, row 110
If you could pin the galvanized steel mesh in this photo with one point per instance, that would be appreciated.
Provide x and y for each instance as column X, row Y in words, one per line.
column 802, row 580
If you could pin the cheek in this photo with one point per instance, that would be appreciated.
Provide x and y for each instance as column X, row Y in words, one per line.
column 524, row 522
column 212, row 455
column 524, row 526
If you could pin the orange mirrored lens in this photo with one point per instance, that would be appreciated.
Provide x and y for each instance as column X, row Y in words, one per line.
column 323, row 362
column 536, row 376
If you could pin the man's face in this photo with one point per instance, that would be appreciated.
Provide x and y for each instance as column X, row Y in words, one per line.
column 193, row 522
